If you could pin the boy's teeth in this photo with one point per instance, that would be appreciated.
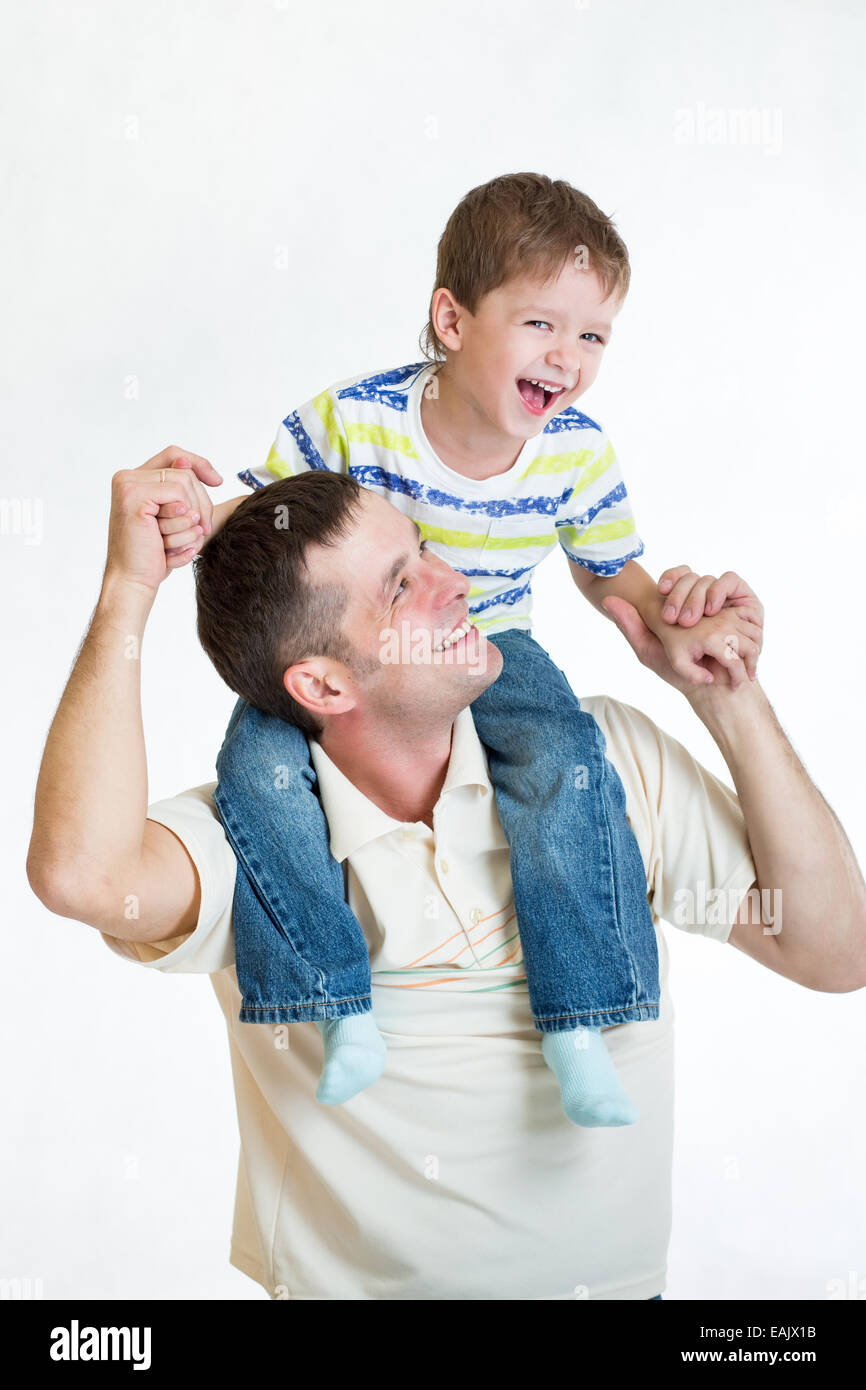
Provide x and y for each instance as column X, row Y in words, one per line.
column 543, row 384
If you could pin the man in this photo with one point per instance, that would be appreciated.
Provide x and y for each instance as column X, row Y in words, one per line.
column 456, row 1174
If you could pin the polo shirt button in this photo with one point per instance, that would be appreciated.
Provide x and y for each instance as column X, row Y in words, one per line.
column 407, row 834
column 475, row 916
column 443, row 865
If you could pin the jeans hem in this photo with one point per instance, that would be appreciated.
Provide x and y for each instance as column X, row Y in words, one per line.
column 597, row 1018
column 305, row 1013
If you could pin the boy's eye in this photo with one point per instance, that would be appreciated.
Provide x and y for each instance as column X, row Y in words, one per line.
column 594, row 336
column 538, row 323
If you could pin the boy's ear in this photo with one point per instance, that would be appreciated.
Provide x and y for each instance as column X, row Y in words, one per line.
column 322, row 686
column 447, row 314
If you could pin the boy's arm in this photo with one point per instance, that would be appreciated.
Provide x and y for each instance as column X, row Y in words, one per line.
column 313, row 436
column 93, row 854
column 693, row 617
column 223, row 510
column 631, row 583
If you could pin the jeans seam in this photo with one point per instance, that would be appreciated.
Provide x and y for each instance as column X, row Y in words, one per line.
column 251, row 870
column 587, row 1013
column 307, row 1003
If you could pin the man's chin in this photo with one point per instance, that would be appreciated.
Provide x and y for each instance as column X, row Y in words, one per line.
column 474, row 675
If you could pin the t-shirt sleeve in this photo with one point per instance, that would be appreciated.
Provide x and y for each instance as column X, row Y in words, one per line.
column 594, row 523
column 313, row 436
column 210, row 947
column 689, row 825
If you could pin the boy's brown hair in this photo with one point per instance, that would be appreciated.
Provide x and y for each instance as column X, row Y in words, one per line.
column 522, row 224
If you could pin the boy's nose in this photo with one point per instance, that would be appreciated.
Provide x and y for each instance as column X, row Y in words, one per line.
column 566, row 360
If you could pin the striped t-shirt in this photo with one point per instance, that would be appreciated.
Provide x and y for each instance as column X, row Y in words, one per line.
column 564, row 486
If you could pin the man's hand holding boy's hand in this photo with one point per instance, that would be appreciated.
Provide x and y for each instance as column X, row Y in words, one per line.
column 718, row 645
column 186, row 525
column 704, row 627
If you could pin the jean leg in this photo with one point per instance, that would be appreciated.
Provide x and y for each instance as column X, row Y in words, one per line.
column 580, row 889
column 300, row 952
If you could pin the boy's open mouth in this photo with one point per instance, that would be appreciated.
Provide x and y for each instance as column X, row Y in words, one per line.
column 536, row 396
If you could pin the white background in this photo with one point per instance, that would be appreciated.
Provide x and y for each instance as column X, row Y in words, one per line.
column 160, row 162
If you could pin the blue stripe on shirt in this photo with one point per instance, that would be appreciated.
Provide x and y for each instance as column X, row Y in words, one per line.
column 616, row 494
column 305, row 444
column 372, row 475
column 510, row 597
column 605, row 568
column 570, row 419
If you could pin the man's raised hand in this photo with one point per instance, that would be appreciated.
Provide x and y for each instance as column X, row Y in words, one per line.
column 185, row 525
column 167, row 484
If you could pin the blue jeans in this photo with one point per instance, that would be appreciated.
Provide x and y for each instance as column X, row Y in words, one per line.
column 586, row 931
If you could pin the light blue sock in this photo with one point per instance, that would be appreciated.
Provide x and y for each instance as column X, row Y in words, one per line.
column 354, row 1057
column 590, row 1088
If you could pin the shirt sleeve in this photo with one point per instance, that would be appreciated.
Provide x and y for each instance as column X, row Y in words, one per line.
column 313, row 436
column 595, row 525
column 192, row 817
column 689, row 825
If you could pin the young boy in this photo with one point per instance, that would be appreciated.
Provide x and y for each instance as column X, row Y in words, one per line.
column 482, row 445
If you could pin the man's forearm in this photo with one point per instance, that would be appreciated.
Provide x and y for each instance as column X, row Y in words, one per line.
column 91, row 796
column 799, row 848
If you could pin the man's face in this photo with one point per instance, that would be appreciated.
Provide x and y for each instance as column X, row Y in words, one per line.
column 528, row 330
column 404, row 604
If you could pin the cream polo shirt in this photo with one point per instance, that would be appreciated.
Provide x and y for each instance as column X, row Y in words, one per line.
column 456, row 1175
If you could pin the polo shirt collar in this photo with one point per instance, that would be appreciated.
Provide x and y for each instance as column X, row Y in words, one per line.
column 354, row 820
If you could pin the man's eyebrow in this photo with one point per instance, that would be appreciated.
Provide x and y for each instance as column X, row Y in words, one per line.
column 389, row 578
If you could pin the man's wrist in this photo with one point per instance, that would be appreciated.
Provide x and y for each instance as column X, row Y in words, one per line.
column 124, row 599
column 731, row 716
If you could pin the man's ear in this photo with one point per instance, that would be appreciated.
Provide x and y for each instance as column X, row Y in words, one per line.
column 322, row 686
column 447, row 314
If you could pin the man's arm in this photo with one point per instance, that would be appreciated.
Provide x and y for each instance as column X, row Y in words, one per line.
column 93, row 854
column 808, row 876
column 807, row 917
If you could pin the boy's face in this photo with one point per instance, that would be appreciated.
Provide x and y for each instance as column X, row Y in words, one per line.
column 528, row 330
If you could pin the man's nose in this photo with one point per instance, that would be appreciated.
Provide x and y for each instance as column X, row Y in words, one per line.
column 450, row 585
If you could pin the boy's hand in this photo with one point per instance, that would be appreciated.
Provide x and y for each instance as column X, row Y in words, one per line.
column 186, row 525
column 692, row 600
column 690, row 597
column 723, row 645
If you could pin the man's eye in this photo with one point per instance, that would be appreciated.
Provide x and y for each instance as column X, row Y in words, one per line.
column 403, row 582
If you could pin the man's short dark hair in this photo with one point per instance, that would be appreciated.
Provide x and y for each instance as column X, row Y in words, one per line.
column 257, row 611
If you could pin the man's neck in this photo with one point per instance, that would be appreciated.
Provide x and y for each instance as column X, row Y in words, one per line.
column 400, row 769
column 460, row 435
